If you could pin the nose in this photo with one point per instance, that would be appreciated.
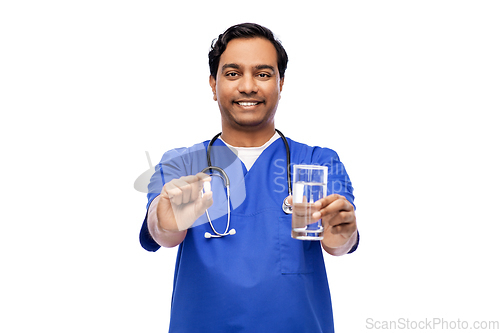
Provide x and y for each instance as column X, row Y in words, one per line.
column 248, row 85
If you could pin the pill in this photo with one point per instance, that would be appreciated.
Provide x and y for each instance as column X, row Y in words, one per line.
column 207, row 187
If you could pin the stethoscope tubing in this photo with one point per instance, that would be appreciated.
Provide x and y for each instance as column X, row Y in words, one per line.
column 287, row 208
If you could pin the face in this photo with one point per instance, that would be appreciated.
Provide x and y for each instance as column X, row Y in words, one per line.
column 248, row 85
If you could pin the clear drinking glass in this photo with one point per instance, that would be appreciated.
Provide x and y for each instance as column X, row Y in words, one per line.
column 309, row 185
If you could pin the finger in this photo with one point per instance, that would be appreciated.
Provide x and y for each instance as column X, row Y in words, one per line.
column 185, row 189
column 344, row 228
column 337, row 205
column 334, row 209
column 196, row 190
column 172, row 192
column 202, row 185
column 203, row 176
column 303, row 209
column 198, row 187
column 189, row 179
column 321, row 203
column 344, row 217
column 193, row 192
column 204, row 203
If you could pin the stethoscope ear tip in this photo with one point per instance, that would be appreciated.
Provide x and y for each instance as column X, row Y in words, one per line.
column 209, row 235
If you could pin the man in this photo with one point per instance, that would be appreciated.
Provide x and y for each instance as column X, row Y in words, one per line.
column 256, row 278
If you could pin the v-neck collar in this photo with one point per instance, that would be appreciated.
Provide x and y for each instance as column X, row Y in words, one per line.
column 244, row 154
column 268, row 150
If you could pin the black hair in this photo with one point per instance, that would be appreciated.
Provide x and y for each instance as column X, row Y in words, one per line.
column 245, row 30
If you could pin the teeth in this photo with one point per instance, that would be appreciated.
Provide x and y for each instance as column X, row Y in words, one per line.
column 247, row 103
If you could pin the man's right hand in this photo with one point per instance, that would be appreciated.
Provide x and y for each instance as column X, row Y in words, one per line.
column 181, row 202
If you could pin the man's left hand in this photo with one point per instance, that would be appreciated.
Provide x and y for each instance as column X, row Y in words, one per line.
column 339, row 220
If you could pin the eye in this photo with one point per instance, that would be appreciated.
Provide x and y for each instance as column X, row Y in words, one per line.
column 263, row 75
column 232, row 74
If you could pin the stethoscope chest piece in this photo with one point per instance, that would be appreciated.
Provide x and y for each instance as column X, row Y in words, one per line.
column 287, row 208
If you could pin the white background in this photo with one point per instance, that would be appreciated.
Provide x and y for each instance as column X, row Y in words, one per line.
column 407, row 92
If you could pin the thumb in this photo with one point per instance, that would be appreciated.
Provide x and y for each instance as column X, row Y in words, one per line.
column 204, row 203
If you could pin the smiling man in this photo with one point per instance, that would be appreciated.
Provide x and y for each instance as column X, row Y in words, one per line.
column 258, row 278
column 247, row 87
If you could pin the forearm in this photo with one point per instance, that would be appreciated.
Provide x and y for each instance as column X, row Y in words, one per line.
column 342, row 249
column 162, row 236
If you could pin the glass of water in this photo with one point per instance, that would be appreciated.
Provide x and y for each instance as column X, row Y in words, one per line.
column 309, row 185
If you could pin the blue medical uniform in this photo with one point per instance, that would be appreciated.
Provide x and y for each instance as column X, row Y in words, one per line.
column 260, row 279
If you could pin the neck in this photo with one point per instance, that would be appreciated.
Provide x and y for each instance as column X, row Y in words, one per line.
column 254, row 138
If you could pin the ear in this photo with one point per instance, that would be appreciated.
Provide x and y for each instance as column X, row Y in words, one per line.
column 282, row 80
column 212, row 83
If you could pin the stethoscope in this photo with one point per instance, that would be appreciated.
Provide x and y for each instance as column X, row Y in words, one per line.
column 287, row 208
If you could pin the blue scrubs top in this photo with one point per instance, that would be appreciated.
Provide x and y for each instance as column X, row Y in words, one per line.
column 260, row 279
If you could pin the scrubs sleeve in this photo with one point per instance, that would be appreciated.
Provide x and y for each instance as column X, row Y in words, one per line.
column 172, row 166
column 355, row 246
column 338, row 179
column 147, row 242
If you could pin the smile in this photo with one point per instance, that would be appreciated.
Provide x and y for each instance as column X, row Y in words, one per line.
column 247, row 103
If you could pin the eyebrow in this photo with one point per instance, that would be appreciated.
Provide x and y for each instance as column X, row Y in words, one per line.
column 258, row 67
column 235, row 66
column 265, row 67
